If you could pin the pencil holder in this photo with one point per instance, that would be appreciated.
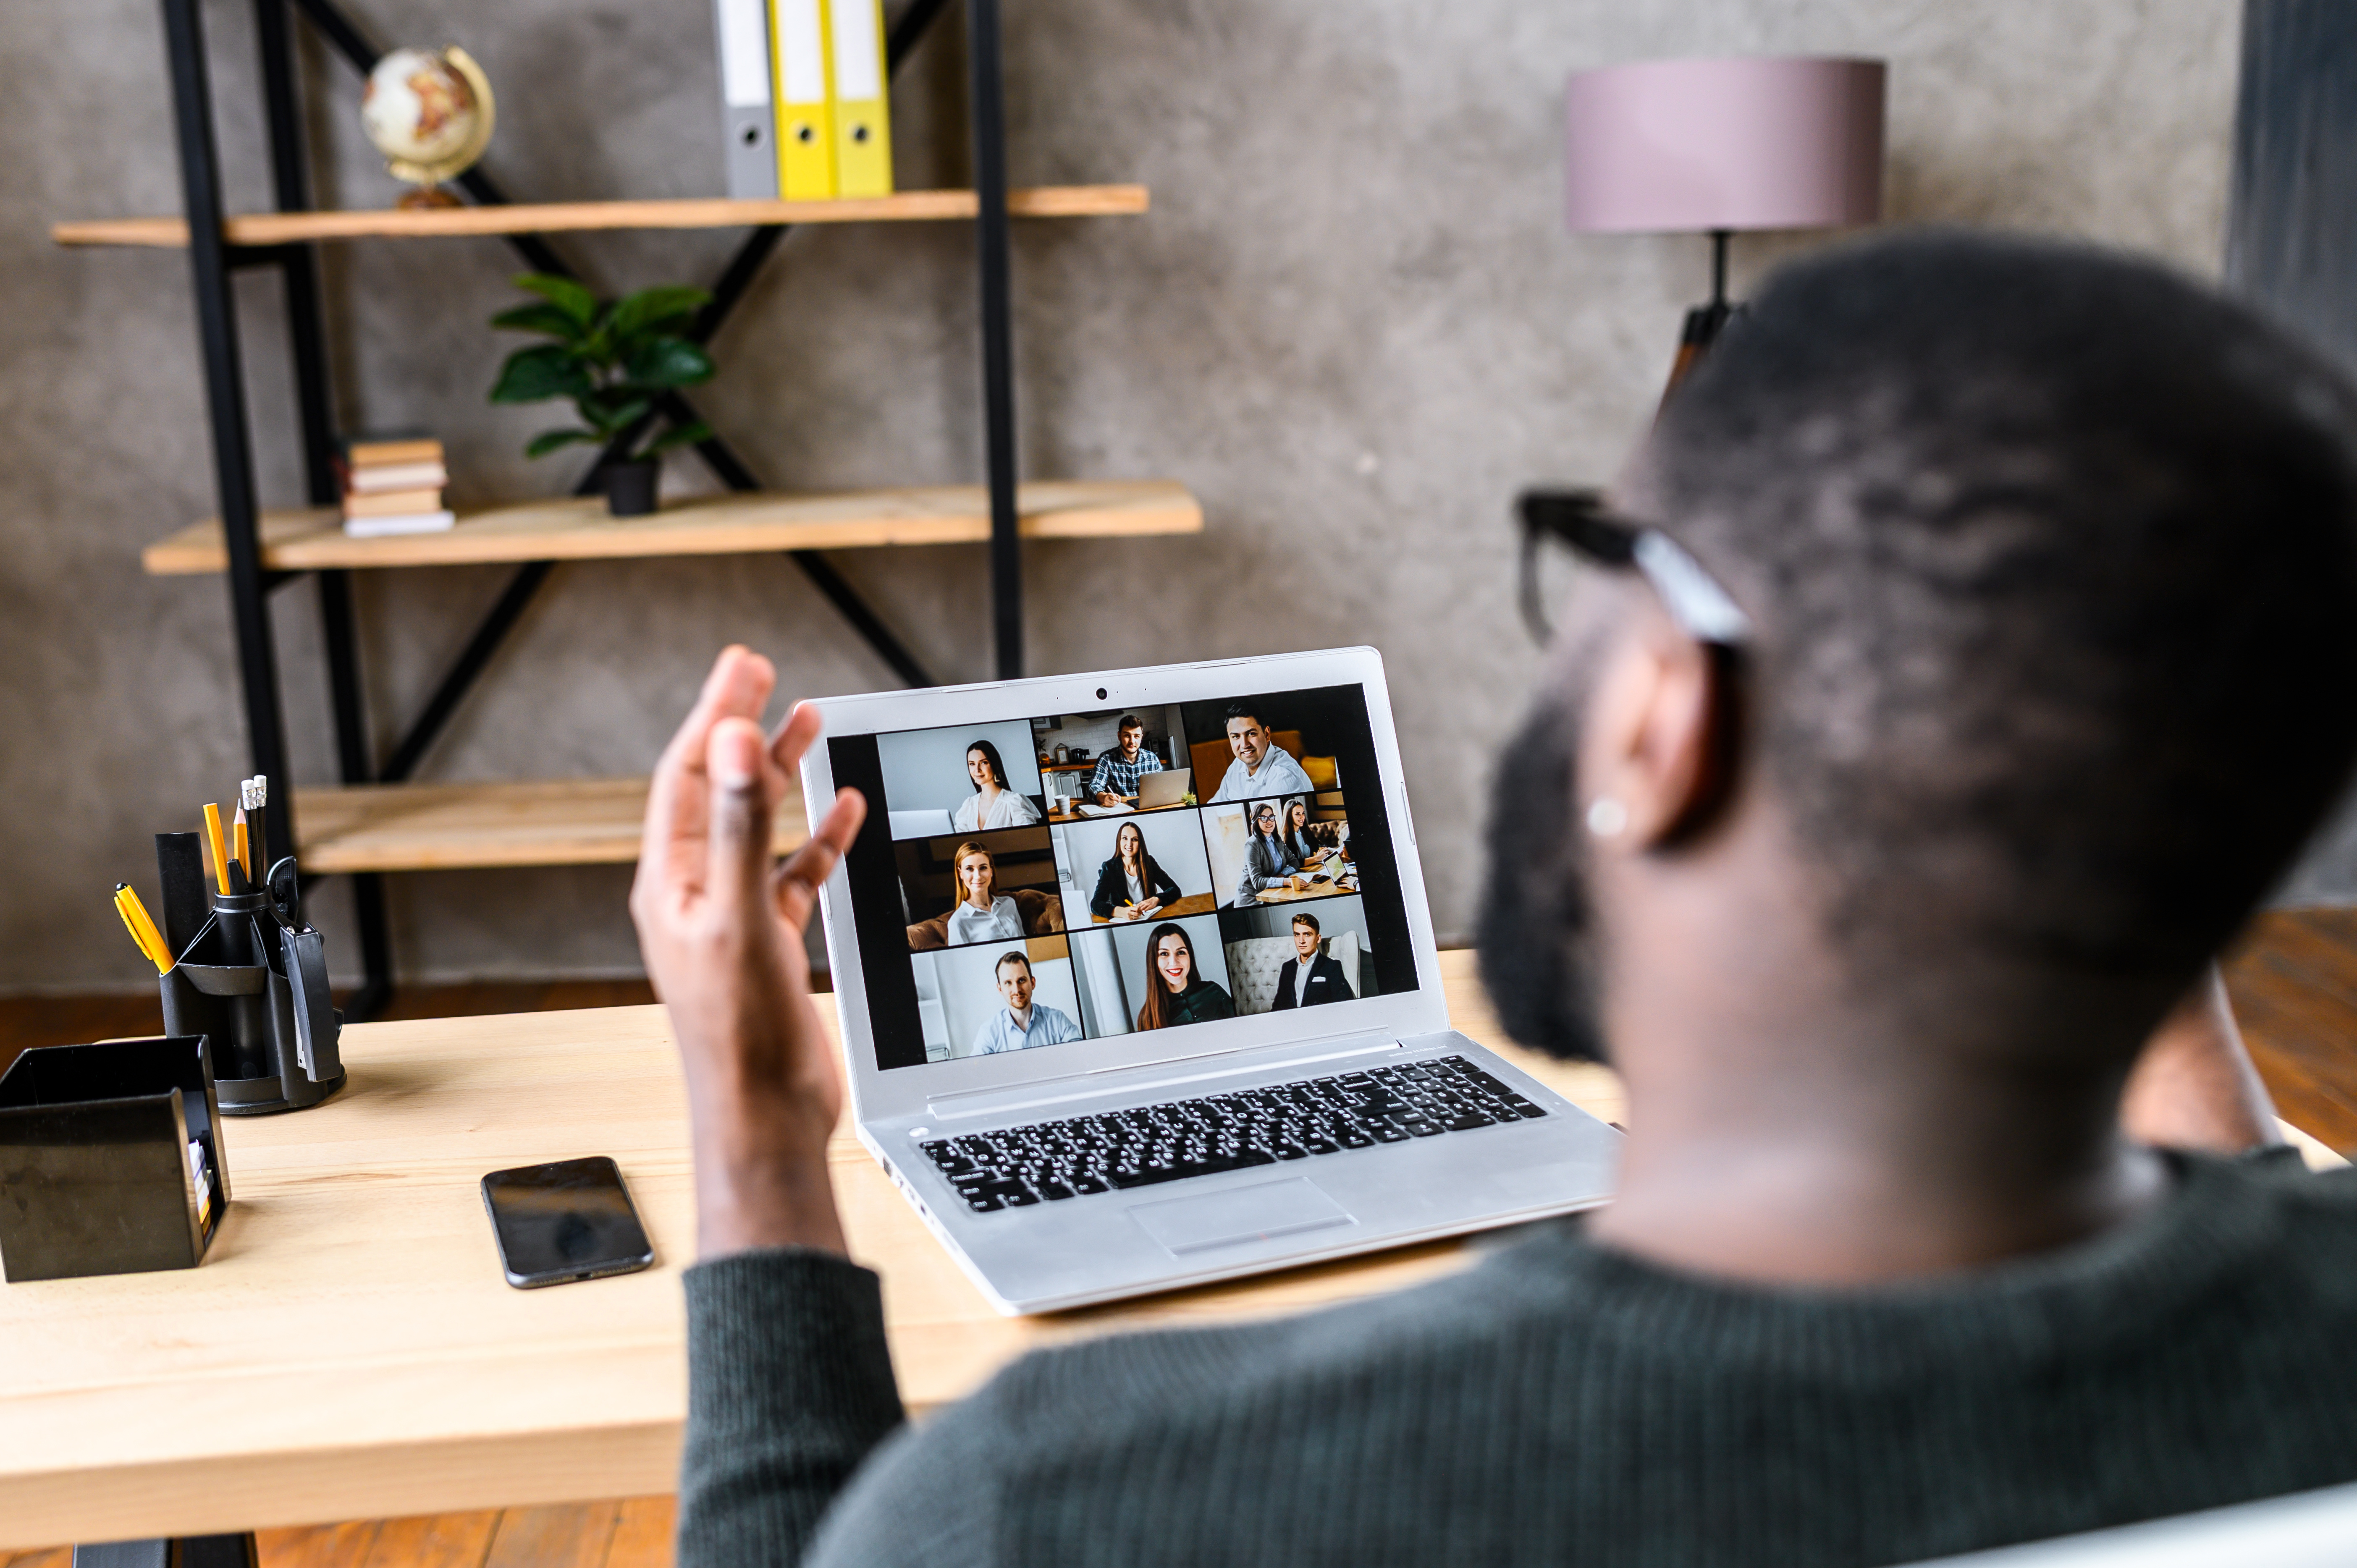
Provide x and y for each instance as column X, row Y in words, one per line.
column 111, row 1159
column 275, row 1034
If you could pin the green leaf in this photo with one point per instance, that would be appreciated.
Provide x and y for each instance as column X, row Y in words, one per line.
column 543, row 317
column 548, row 370
column 651, row 309
column 667, row 362
column 614, row 408
column 548, row 441
column 562, row 292
column 677, row 436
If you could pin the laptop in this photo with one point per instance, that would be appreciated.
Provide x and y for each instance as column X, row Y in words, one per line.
column 1232, row 1069
column 1167, row 788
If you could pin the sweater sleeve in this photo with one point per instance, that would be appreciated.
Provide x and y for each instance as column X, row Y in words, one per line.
column 789, row 1387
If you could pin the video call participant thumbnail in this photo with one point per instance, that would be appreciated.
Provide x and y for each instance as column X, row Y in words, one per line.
column 1310, row 845
column 1022, row 1024
column 1176, row 990
column 1268, row 860
column 1261, row 765
column 1116, row 775
column 1313, row 978
column 983, row 913
column 994, row 803
column 1130, row 886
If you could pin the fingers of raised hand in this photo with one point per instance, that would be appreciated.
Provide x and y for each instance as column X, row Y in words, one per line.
column 743, row 787
column 670, row 849
column 805, row 872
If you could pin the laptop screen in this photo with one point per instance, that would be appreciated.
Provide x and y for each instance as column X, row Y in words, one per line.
column 1032, row 883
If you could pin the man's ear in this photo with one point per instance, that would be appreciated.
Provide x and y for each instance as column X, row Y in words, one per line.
column 1662, row 736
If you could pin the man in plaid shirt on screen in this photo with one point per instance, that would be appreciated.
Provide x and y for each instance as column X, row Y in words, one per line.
column 1117, row 771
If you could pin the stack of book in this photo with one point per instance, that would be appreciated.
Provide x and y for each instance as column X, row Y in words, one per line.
column 393, row 484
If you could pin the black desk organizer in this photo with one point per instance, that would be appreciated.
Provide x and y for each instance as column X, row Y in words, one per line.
column 96, row 1176
column 253, row 978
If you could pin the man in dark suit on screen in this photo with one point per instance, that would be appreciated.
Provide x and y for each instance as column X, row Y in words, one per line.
column 1315, row 978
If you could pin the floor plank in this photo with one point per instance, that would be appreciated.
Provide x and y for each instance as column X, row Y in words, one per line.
column 642, row 1535
column 318, row 1545
column 435, row 1540
column 565, row 1535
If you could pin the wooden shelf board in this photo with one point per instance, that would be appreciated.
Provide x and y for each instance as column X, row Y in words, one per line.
column 427, row 827
column 576, row 528
column 550, row 218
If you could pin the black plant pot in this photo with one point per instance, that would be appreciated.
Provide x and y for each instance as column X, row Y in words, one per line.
column 630, row 487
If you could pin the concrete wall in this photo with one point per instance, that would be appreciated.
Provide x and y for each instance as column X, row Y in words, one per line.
column 1352, row 323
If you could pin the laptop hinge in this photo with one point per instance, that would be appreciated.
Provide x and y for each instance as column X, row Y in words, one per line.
column 1099, row 1081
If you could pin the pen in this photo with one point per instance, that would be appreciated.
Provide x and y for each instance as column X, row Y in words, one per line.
column 149, row 940
column 257, row 814
column 221, row 851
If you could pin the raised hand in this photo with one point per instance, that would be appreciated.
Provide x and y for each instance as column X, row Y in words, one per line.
column 721, row 929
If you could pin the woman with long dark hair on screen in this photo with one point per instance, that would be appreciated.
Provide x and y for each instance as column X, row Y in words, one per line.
column 1130, row 886
column 984, row 914
column 993, row 804
column 1176, row 992
column 1295, row 833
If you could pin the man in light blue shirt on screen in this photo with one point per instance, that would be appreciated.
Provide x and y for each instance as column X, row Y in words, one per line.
column 1262, row 767
column 1021, row 1024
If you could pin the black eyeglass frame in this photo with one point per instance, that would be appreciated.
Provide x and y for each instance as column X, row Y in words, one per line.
column 1700, row 605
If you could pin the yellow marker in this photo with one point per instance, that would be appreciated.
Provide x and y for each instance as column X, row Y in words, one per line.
column 142, row 929
column 244, row 861
column 221, row 852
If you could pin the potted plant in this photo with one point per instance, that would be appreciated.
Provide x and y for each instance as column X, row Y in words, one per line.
column 613, row 360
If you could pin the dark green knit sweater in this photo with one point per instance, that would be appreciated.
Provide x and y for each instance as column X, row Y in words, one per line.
column 1562, row 1404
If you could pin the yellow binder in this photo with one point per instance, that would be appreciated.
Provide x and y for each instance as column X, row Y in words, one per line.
column 863, row 120
column 805, row 126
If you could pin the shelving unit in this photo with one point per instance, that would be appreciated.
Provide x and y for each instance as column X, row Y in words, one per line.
column 378, row 820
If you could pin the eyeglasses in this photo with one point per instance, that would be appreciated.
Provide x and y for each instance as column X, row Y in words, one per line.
column 1703, row 610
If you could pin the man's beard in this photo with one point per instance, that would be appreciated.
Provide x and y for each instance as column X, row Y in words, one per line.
column 1537, row 934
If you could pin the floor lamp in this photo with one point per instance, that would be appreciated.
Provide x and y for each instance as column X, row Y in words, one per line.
column 1714, row 146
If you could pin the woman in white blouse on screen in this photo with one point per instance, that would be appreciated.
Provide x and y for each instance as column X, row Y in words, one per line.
column 984, row 914
column 991, row 804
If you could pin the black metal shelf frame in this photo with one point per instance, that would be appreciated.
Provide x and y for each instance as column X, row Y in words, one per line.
column 212, row 260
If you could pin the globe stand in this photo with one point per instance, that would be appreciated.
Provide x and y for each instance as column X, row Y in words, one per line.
column 426, row 198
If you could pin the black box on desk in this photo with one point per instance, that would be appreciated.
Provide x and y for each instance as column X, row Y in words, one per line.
column 109, row 1159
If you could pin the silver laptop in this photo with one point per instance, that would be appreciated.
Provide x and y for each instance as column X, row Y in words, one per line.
column 1115, row 1055
column 1166, row 788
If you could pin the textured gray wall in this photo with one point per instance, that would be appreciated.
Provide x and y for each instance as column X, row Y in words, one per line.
column 1352, row 323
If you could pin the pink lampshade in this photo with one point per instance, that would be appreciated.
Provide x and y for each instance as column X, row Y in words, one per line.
column 1684, row 145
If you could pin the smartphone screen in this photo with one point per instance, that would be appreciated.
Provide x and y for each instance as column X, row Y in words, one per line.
column 569, row 1219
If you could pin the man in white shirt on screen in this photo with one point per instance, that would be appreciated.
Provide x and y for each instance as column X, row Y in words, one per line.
column 1022, row 1022
column 1262, row 767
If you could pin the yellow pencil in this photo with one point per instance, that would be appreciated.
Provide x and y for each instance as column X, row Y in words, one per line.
column 221, row 851
column 143, row 931
column 244, row 859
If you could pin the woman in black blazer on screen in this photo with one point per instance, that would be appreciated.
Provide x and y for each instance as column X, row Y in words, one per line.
column 1130, row 878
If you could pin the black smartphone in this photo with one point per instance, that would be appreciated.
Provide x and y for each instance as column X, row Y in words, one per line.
column 568, row 1219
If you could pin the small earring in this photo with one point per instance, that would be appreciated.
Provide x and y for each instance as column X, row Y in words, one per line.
column 1606, row 817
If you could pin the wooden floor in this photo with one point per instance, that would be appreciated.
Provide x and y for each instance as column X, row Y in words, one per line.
column 2294, row 981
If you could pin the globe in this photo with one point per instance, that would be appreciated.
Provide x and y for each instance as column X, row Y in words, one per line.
column 429, row 111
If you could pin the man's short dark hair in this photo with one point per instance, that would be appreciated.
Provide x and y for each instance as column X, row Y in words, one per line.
column 2053, row 559
column 1310, row 920
column 1128, row 721
column 1013, row 955
column 1245, row 711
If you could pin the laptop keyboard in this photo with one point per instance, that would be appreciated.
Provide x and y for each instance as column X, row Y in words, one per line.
column 1046, row 1161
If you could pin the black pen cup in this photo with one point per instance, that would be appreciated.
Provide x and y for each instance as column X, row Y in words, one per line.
column 111, row 1159
column 232, row 987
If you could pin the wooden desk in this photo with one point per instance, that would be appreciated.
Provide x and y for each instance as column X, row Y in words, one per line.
column 1059, row 812
column 350, row 1350
column 1193, row 904
column 1326, row 889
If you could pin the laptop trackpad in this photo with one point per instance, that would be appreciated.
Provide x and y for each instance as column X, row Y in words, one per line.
column 1186, row 1225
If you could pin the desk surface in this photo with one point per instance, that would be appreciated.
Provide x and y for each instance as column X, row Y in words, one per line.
column 1193, row 904
column 350, row 1350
